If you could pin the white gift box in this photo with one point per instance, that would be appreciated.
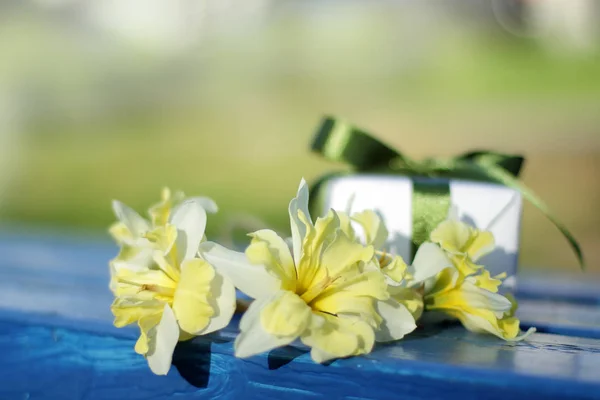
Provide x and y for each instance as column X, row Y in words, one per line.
column 487, row 206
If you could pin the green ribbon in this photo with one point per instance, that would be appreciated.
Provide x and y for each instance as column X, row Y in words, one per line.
column 430, row 206
column 337, row 140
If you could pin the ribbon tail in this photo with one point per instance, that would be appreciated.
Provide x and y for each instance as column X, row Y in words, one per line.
column 500, row 175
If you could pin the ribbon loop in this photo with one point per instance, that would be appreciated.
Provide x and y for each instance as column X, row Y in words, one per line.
column 339, row 141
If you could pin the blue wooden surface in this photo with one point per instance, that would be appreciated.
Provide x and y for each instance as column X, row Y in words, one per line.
column 577, row 287
column 57, row 342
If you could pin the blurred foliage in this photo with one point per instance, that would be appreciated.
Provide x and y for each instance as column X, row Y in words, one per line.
column 232, row 117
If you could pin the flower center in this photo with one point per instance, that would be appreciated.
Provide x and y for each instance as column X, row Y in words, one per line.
column 309, row 295
column 383, row 258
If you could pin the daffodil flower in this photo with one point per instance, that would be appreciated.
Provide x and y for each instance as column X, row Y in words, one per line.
column 474, row 301
column 131, row 229
column 325, row 291
column 170, row 293
column 405, row 283
column 467, row 291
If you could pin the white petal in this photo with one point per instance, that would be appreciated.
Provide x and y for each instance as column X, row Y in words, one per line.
column 207, row 203
column 253, row 339
column 478, row 324
column 162, row 343
column 350, row 203
column 132, row 220
column 453, row 213
column 299, row 203
column 397, row 321
column 429, row 261
column 141, row 261
column 190, row 220
column 253, row 280
column 480, row 298
column 222, row 301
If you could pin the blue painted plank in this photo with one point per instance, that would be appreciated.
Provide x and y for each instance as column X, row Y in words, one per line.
column 45, row 362
column 577, row 287
column 63, row 274
column 560, row 317
column 55, row 326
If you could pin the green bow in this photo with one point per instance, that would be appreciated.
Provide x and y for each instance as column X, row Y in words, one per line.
column 339, row 141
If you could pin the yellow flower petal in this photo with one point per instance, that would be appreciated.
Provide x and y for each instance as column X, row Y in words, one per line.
column 286, row 315
column 445, row 281
column 375, row 230
column 410, row 298
column 346, row 224
column 465, row 265
column 368, row 283
column 121, row 233
column 509, row 327
column 485, row 281
column 191, row 300
column 317, row 238
column 154, row 280
column 452, row 236
column 482, row 244
column 169, row 266
column 129, row 310
column 333, row 337
column 343, row 253
column 253, row 338
column 353, row 295
column 223, row 303
column 341, row 302
column 393, row 266
column 161, row 211
column 468, row 298
column 464, row 244
column 162, row 237
column 506, row 328
column 185, row 336
column 478, row 309
column 145, row 324
column 271, row 251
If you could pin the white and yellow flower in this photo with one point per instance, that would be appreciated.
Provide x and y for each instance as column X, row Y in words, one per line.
column 131, row 229
column 467, row 291
column 405, row 283
column 479, row 309
column 328, row 291
column 164, row 287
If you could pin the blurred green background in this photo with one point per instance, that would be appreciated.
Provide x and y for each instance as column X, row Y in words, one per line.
column 110, row 99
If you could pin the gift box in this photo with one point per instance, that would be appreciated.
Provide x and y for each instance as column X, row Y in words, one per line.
column 486, row 206
column 481, row 188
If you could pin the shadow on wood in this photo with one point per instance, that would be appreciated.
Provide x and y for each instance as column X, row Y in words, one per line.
column 193, row 359
column 284, row 355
